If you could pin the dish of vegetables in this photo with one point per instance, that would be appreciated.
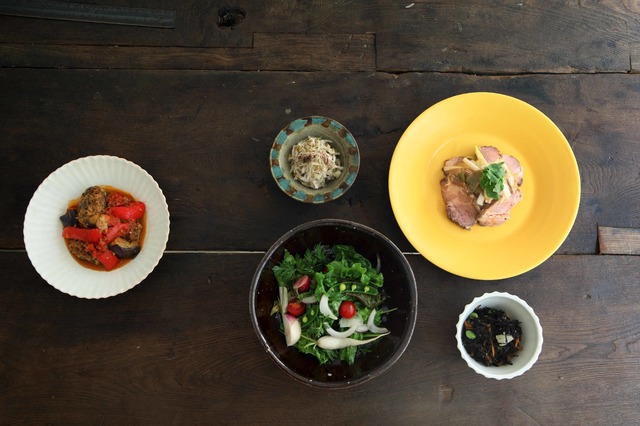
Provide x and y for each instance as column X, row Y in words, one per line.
column 104, row 228
column 124, row 216
column 331, row 302
column 334, row 244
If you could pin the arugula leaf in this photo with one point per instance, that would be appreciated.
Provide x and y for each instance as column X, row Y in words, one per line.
column 293, row 267
column 492, row 180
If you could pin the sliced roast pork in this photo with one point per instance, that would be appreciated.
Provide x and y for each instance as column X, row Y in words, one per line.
column 499, row 211
column 461, row 207
column 490, row 153
column 466, row 201
column 514, row 167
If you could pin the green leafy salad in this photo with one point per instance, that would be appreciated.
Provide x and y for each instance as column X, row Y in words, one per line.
column 330, row 302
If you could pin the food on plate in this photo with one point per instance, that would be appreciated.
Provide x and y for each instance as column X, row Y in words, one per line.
column 483, row 189
column 104, row 227
column 314, row 162
column 330, row 302
column 491, row 337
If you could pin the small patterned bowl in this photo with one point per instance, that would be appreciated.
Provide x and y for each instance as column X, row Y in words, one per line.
column 341, row 140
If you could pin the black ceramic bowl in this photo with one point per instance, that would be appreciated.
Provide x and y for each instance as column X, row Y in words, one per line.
column 399, row 284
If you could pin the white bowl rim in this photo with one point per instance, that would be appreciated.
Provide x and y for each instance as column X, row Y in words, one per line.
column 67, row 179
column 499, row 373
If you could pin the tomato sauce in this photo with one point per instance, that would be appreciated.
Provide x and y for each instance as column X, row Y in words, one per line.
column 113, row 194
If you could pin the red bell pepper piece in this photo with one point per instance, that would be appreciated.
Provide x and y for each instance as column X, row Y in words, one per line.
column 133, row 211
column 119, row 230
column 108, row 259
column 91, row 235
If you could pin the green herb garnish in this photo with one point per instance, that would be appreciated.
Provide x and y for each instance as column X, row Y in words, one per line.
column 492, row 180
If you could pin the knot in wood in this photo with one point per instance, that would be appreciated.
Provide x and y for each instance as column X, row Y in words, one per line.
column 230, row 16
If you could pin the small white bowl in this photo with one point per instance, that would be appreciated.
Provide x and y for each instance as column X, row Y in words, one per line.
column 531, row 341
column 43, row 231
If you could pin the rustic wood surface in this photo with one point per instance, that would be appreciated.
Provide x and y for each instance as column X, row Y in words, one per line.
column 198, row 106
column 618, row 240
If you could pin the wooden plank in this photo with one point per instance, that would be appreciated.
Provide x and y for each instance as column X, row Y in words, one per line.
column 196, row 25
column 635, row 57
column 178, row 126
column 618, row 240
column 179, row 348
column 451, row 36
column 270, row 52
column 84, row 12
column 506, row 37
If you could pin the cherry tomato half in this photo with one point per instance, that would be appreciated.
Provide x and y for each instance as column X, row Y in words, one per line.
column 303, row 284
column 296, row 308
column 347, row 309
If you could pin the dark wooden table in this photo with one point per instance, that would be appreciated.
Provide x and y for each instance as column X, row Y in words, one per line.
column 197, row 105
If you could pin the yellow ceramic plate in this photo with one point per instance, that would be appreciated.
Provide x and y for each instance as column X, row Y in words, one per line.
column 539, row 223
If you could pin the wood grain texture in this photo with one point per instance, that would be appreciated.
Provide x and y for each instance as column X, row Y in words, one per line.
column 205, row 137
column 618, row 240
column 446, row 36
column 506, row 37
column 269, row 52
column 196, row 26
column 198, row 107
column 179, row 348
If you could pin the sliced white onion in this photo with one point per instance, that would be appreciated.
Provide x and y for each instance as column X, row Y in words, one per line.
column 324, row 307
column 284, row 299
column 348, row 322
column 292, row 329
column 378, row 263
column 372, row 327
column 342, row 334
column 309, row 300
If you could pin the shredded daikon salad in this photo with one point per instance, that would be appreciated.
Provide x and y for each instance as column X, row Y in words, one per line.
column 314, row 162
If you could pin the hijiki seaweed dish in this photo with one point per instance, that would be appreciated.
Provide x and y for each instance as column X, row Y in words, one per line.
column 490, row 337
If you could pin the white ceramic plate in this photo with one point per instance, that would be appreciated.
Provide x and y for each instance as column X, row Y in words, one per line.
column 43, row 231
